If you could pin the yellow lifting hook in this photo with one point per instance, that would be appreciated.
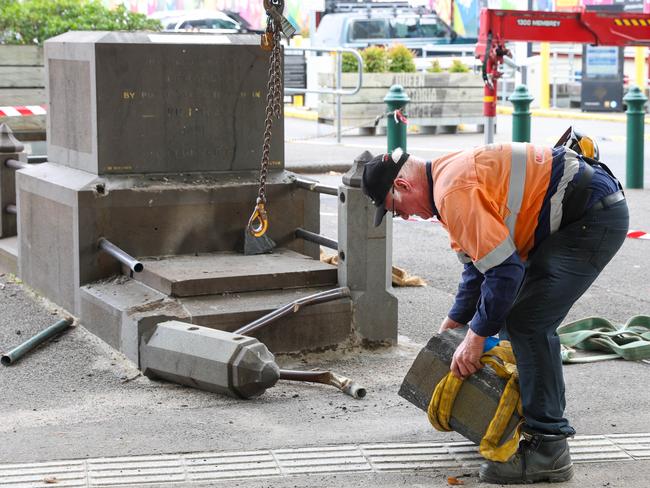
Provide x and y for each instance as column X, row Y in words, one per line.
column 259, row 221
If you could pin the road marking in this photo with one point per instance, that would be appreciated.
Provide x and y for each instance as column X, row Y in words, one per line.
column 137, row 471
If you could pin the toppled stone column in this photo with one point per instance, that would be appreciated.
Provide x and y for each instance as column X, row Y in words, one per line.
column 365, row 260
column 477, row 399
column 208, row 359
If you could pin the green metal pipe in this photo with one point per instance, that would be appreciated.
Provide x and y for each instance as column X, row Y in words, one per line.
column 635, row 100
column 18, row 352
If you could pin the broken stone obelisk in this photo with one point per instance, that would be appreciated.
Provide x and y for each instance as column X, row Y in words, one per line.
column 477, row 399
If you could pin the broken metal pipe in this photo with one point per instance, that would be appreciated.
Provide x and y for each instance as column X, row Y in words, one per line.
column 316, row 186
column 15, row 164
column 346, row 385
column 292, row 307
column 18, row 352
column 317, row 238
column 126, row 259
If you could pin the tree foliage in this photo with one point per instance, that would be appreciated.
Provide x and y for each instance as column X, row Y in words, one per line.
column 34, row 21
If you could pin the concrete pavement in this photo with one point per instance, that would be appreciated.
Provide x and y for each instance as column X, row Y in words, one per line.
column 76, row 406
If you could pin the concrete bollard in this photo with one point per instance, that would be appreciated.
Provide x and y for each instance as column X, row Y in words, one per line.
column 521, row 99
column 635, row 100
column 10, row 148
column 365, row 260
column 396, row 99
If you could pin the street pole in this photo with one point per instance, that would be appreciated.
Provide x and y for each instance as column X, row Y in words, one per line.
column 339, row 76
column 545, row 55
column 635, row 100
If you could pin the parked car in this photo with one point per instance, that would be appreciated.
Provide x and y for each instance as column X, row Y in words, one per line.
column 209, row 21
column 358, row 29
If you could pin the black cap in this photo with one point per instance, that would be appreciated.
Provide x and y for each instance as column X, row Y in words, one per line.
column 378, row 176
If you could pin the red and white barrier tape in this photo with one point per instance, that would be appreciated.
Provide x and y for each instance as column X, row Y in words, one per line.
column 23, row 110
column 638, row 234
column 415, row 218
column 400, row 117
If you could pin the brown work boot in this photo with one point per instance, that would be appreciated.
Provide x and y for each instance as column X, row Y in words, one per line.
column 540, row 457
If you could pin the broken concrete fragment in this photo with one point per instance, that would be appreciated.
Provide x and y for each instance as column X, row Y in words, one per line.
column 477, row 399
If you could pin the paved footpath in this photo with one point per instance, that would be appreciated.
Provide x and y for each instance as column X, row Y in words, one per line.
column 76, row 412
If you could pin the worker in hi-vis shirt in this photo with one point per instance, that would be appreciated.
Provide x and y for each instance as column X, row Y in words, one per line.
column 534, row 227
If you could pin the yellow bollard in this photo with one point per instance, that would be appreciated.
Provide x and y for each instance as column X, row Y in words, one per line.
column 640, row 66
column 545, row 55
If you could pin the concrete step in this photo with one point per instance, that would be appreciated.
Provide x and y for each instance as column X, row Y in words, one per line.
column 229, row 272
column 122, row 310
column 313, row 327
column 9, row 255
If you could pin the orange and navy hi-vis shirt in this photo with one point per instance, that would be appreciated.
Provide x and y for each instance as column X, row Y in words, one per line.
column 498, row 203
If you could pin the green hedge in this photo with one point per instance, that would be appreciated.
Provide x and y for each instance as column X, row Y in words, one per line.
column 34, row 21
column 377, row 59
column 400, row 59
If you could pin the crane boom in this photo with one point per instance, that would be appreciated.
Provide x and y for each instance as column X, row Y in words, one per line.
column 584, row 27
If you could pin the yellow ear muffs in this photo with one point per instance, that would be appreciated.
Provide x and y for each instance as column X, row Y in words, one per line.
column 587, row 147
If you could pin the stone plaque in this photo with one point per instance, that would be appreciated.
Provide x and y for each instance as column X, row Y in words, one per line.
column 159, row 103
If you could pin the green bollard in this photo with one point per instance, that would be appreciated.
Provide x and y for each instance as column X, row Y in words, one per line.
column 521, row 99
column 635, row 100
column 395, row 99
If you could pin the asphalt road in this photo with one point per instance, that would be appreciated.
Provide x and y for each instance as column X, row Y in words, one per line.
column 313, row 146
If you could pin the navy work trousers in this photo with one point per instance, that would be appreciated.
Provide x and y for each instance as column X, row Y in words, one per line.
column 558, row 273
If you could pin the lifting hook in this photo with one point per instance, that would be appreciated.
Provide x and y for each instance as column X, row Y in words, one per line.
column 259, row 221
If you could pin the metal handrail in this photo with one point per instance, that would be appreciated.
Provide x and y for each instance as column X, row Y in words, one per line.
column 330, row 91
column 293, row 307
column 459, row 49
column 338, row 92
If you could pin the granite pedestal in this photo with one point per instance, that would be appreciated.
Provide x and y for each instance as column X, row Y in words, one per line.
column 154, row 144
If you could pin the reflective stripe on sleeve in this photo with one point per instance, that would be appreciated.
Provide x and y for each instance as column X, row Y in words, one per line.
column 517, row 183
column 498, row 255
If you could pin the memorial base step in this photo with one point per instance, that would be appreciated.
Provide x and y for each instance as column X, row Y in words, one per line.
column 122, row 310
column 9, row 255
column 231, row 272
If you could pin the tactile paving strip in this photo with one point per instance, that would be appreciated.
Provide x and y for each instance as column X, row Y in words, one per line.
column 341, row 459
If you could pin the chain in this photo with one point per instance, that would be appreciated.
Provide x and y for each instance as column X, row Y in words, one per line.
column 274, row 100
